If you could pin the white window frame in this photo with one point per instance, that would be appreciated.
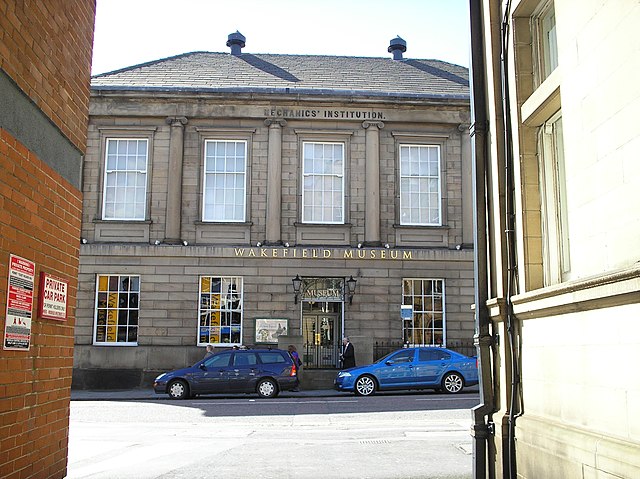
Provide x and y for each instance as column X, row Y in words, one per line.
column 209, row 208
column 112, row 171
column 406, row 219
column 116, row 308
column 553, row 193
column 225, row 303
column 428, row 297
column 308, row 196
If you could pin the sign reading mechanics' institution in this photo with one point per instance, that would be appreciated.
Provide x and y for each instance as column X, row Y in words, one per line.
column 322, row 113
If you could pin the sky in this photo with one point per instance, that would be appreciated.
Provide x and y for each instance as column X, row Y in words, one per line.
column 130, row 32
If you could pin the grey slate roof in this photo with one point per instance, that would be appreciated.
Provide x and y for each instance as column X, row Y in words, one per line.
column 282, row 74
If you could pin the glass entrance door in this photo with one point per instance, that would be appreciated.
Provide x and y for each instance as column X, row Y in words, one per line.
column 321, row 331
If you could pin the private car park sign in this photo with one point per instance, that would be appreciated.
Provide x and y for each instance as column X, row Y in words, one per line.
column 53, row 297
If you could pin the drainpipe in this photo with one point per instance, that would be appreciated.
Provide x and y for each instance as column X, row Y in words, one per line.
column 512, row 362
column 482, row 424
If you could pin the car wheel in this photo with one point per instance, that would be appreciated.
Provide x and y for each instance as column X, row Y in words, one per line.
column 178, row 389
column 365, row 386
column 267, row 388
column 452, row 383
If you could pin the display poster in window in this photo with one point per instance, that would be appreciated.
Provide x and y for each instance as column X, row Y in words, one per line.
column 53, row 297
column 17, row 325
column 268, row 330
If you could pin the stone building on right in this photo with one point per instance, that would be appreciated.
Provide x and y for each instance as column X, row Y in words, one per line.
column 556, row 136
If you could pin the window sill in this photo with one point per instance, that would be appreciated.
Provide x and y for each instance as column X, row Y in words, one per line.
column 323, row 234
column 543, row 102
column 422, row 236
column 122, row 231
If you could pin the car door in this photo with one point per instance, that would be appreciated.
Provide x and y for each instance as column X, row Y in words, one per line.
column 397, row 370
column 431, row 365
column 242, row 375
column 212, row 375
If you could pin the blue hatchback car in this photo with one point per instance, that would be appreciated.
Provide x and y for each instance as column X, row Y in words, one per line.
column 411, row 368
column 262, row 371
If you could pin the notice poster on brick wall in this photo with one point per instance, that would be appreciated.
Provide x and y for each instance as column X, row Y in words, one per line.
column 17, row 324
column 53, row 297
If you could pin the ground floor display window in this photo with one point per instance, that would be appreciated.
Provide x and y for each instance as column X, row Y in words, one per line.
column 220, row 311
column 117, row 309
column 426, row 325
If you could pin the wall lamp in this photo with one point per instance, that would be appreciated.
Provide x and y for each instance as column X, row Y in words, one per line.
column 185, row 243
column 157, row 242
column 351, row 288
column 83, row 240
column 297, row 282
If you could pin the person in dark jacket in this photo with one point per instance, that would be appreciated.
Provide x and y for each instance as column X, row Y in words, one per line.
column 348, row 356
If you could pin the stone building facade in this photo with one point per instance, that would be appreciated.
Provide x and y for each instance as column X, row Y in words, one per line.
column 212, row 181
column 560, row 333
column 44, row 102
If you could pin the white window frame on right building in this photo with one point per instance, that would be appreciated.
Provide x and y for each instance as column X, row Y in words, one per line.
column 553, row 192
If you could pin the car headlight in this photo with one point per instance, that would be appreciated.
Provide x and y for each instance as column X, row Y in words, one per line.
column 344, row 374
column 160, row 377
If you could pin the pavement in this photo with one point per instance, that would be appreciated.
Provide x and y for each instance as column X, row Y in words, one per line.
column 147, row 394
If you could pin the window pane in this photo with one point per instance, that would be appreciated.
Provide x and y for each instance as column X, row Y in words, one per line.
column 420, row 185
column 117, row 309
column 220, row 307
column 126, row 164
column 224, row 193
column 322, row 182
column 427, row 323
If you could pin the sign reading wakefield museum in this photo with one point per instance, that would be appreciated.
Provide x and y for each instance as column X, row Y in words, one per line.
column 323, row 253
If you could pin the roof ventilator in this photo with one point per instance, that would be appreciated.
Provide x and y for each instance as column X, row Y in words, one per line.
column 397, row 46
column 236, row 41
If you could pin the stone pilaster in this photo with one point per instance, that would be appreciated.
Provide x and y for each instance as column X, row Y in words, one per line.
column 274, row 182
column 174, row 180
column 467, row 184
column 372, row 182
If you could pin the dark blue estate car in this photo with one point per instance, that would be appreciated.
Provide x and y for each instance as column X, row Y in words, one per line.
column 411, row 368
column 263, row 371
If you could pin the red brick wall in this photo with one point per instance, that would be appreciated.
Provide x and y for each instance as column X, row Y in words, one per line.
column 40, row 221
column 46, row 47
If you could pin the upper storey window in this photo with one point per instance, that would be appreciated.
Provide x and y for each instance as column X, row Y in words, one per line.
column 323, row 183
column 125, row 179
column 546, row 44
column 225, row 166
column 420, row 185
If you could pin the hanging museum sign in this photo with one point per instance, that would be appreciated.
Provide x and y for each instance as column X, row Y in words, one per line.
column 53, row 297
column 17, row 324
